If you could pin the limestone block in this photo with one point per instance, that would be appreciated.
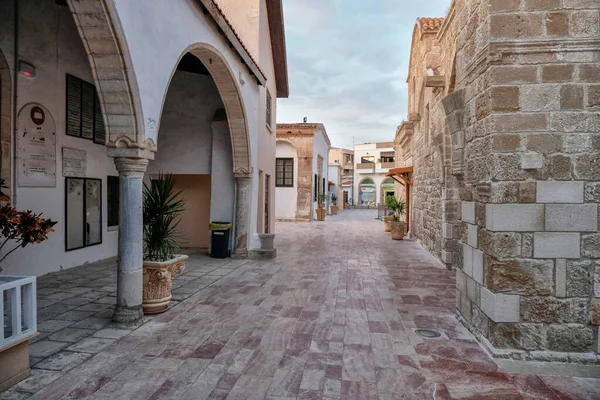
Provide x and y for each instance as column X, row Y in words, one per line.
column 592, row 192
column 571, row 97
column 597, row 281
column 571, row 337
column 473, row 290
column 571, row 217
column 561, row 278
column 447, row 231
column 447, row 256
column 531, row 160
column 556, row 245
column 520, row 276
column 514, row 217
column 465, row 307
column 579, row 277
column 591, row 245
column 551, row 310
column 461, row 281
column 472, row 235
column 468, row 211
column 559, row 192
column 468, row 260
column 478, row 266
column 557, row 24
column 500, row 307
column 595, row 312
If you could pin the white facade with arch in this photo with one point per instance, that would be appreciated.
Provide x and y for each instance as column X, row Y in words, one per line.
column 130, row 53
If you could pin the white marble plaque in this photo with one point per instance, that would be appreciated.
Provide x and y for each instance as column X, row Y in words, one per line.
column 73, row 162
column 36, row 147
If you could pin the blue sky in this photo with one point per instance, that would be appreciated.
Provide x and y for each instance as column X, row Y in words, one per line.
column 347, row 64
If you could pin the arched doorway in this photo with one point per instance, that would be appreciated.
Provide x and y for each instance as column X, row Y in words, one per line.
column 202, row 141
column 387, row 189
column 367, row 192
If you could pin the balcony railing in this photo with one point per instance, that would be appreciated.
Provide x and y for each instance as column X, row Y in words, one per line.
column 388, row 165
column 365, row 165
column 19, row 309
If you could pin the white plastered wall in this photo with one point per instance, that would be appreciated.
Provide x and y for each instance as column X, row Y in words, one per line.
column 287, row 197
column 50, row 41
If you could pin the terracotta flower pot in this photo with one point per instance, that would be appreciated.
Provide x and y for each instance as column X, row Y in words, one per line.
column 386, row 223
column 158, row 280
column 321, row 214
column 398, row 229
column 334, row 210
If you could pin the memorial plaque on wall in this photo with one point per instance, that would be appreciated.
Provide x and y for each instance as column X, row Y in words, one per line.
column 73, row 162
column 36, row 147
column 73, row 106
column 87, row 110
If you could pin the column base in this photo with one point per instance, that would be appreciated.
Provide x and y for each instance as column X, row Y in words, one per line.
column 260, row 254
column 240, row 254
column 128, row 317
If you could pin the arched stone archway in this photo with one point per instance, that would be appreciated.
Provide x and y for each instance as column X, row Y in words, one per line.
column 116, row 87
column 5, row 121
column 226, row 84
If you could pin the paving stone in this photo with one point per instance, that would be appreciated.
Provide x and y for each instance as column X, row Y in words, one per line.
column 45, row 348
column 311, row 324
column 38, row 380
column 63, row 361
column 91, row 345
column 70, row 335
column 53, row 325
column 93, row 323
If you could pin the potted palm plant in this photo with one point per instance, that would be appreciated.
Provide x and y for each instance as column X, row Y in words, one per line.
column 321, row 211
column 162, row 207
column 386, row 221
column 334, row 206
column 397, row 225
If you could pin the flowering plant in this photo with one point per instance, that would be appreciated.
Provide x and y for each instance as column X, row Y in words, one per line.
column 20, row 228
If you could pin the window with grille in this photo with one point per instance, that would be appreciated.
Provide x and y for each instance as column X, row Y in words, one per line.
column 84, row 115
column 269, row 115
column 284, row 174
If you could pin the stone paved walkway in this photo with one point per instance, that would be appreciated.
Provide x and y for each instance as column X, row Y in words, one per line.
column 333, row 317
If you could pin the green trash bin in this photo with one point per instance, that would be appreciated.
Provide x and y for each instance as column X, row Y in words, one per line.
column 219, row 239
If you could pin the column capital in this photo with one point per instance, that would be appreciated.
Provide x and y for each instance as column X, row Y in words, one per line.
column 131, row 166
column 242, row 176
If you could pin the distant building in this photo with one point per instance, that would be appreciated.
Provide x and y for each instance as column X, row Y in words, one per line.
column 345, row 159
column 372, row 162
column 301, row 170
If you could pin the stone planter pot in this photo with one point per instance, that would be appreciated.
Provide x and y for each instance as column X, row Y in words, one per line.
column 398, row 229
column 386, row 223
column 334, row 210
column 321, row 214
column 266, row 241
column 158, row 280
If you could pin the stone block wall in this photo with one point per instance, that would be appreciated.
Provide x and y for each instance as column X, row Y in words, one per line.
column 525, row 127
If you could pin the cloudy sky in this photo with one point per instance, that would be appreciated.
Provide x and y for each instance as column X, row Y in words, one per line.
column 348, row 61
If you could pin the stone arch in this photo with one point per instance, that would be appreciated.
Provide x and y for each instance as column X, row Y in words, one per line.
column 5, row 121
column 116, row 86
column 385, row 183
column 221, row 73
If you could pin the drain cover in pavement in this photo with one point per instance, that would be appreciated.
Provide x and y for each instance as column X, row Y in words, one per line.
column 427, row 333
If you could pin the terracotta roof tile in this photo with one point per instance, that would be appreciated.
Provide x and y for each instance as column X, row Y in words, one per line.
column 431, row 24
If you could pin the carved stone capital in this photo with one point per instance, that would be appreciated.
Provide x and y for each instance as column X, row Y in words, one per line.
column 131, row 166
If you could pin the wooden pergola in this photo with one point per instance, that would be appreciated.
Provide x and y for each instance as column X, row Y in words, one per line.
column 400, row 175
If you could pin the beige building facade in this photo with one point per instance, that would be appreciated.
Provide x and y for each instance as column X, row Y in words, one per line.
column 302, row 171
column 503, row 140
column 345, row 159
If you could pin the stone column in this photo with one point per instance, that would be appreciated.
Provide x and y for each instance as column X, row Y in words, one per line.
column 242, row 209
column 130, row 258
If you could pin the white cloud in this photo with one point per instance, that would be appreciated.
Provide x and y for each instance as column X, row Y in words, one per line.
column 347, row 62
